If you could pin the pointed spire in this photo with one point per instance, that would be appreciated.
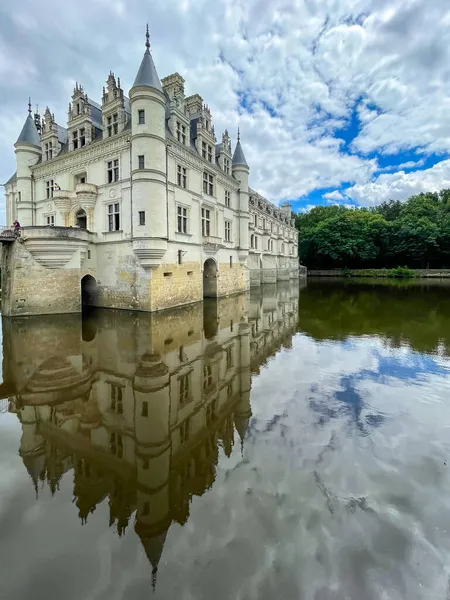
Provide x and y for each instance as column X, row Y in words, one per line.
column 147, row 40
column 147, row 75
column 238, row 156
column 29, row 134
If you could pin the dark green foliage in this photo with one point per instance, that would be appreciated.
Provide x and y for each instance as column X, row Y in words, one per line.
column 402, row 273
column 415, row 233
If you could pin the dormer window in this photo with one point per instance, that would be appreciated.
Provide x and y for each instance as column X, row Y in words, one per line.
column 207, row 151
column 78, row 108
column 75, row 140
column 49, row 151
column 82, row 137
column 113, row 124
column 181, row 132
column 226, row 166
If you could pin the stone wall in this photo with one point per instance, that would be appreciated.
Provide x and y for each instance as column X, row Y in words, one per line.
column 427, row 273
column 175, row 285
column 30, row 289
column 232, row 279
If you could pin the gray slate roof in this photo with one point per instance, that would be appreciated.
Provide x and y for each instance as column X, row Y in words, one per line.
column 238, row 156
column 147, row 74
column 29, row 133
column 12, row 178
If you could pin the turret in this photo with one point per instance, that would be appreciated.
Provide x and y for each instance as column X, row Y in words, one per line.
column 148, row 151
column 28, row 152
column 240, row 171
column 153, row 454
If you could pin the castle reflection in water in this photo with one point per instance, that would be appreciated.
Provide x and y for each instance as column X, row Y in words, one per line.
column 137, row 405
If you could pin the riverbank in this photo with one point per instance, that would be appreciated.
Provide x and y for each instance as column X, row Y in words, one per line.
column 370, row 273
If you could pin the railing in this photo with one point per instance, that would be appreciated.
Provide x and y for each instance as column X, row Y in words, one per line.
column 211, row 239
column 9, row 234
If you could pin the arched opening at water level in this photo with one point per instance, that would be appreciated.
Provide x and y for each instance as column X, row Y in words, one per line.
column 89, row 292
column 210, row 278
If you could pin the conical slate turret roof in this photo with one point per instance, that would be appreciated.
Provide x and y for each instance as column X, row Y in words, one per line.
column 238, row 156
column 147, row 74
column 29, row 133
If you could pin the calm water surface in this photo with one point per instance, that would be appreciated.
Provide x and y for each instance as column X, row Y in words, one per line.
column 290, row 444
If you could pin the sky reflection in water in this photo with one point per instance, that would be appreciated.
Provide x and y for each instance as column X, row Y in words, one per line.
column 270, row 446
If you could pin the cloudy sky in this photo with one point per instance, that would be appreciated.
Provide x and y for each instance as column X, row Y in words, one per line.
column 337, row 101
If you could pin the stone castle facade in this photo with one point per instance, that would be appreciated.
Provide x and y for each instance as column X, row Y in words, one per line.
column 135, row 407
column 136, row 203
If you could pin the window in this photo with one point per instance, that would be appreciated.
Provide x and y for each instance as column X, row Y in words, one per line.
column 229, row 358
column 141, row 162
column 227, row 198
column 206, row 221
column 50, row 219
column 182, row 176
column 113, row 170
column 207, row 376
column 231, row 264
column 282, row 248
column 180, row 257
column 113, row 124
column 116, row 399
column 142, row 217
column 228, row 231
column 48, row 150
column 113, row 217
column 182, row 219
column 184, row 385
column 204, row 149
column 82, row 137
column 256, row 220
column 116, row 444
column 226, row 165
column 144, row 411
column 141, row 116
column 181, row 132
column 78, row 108
column 49, row 188
column 75, row 140
column 256, row 242
column 210, row 153
column 208, row 183
column 184, row 432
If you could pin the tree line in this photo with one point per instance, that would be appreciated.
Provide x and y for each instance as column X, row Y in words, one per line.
column 415, row 233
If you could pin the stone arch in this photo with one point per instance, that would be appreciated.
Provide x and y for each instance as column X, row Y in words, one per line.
column 210, row 278
column 81, row 219
column 89, row 291
column 72, row 216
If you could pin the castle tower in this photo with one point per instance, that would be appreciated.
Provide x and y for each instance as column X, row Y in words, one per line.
column 148, row 160
column 28, row 152
column 153, row 454
column 241, row 170
column 242, row 411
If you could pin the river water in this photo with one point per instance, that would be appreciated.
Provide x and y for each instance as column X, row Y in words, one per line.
column 286, row 444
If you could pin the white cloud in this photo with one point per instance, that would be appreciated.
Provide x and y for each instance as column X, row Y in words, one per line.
column 303, row 69
column 401, row 185
column 336, row 195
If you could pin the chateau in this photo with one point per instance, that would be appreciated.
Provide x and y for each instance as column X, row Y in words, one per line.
column 136, row 205
column 135, row 408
